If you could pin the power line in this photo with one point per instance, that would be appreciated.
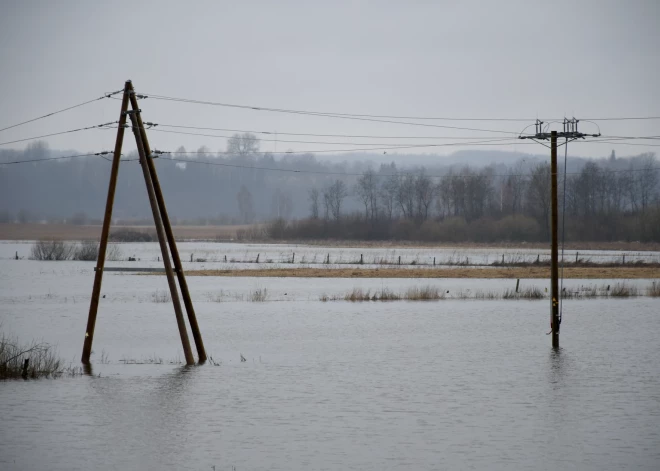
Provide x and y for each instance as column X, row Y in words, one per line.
column 315, row 135
column 319, row 114
column 151, row 127
column 47, row 159
column 360, row 115
column 58, row 133
column 107, row 95
column 319, row 172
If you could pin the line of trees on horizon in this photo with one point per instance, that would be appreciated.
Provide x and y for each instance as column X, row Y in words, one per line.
column 468, row 204
column 306, row 198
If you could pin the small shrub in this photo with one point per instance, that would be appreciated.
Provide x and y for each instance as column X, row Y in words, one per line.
column 259, row 295
column 42, row 361
column 161, row 297
column 88, row 250
column 531, row 292
column 622, row 290
column 51, row 250
column 654, row 289
column 425, row 293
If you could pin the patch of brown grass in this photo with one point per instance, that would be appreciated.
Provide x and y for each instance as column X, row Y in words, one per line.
column 626, row 272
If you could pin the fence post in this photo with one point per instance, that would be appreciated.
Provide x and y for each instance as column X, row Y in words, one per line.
column 293, row 258
column 399, row 259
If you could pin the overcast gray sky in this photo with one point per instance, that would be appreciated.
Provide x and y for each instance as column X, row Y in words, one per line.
column 455, row 59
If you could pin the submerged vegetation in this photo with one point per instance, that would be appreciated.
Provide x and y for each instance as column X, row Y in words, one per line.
column 431, row 293
column 31, row 361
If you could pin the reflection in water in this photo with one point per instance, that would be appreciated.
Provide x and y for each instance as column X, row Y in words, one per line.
column 557, row 366
column 363, row 387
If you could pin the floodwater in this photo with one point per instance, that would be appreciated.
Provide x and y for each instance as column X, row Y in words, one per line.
column 328, row 385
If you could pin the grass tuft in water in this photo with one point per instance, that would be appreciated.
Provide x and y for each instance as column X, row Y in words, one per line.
column 31, row 361
column 259, row 295
column 654, row 289
column 425, row 293
column 161, row 297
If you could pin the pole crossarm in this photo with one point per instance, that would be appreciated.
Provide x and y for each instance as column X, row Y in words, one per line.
column 570, row 131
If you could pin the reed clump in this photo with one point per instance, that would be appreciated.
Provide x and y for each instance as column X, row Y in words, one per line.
column 530, row 292
column 424, row 293
column 654, row 289
column 31, row 361
column 622, row 290
column 161, row 297
column 259, row 295
column 358, row 294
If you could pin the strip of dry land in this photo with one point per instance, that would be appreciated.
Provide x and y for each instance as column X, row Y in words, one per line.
column 513, row 272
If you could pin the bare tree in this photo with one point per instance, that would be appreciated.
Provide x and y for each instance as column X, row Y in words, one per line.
column 335, row 196
column 539, row 196
column 424, row 193
column 388, row 195
column 405, row 195
column 313, row 196
column 366, row 189
column 243, row 144
column 647, row 181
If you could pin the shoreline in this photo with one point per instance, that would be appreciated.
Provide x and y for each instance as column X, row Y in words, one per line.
column 224, row 234
column 593, row 273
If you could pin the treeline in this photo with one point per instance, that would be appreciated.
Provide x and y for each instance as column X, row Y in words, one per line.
column 448, row 198
column 605, row 201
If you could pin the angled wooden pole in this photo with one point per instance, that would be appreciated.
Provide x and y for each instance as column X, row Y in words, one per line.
column 554, row 269
column 190, row 360
column 178, row 267
column 100, row 262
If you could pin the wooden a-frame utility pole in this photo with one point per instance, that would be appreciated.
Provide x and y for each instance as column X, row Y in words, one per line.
column 163, row 231
column 570, row 132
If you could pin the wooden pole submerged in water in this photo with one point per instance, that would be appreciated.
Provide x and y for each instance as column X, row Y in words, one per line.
column 144, row 158
column 105, row 231
column 169, row 233
column 554, row 307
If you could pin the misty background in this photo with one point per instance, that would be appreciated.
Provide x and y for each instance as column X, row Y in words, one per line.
column 331, row 92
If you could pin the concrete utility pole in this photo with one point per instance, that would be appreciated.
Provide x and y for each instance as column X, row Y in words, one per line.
column 570, row 133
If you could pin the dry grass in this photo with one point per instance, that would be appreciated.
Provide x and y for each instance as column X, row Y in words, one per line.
column 161, row 297
column 654, row 289
column 259, row 295
column 627, row 272
column 622, row 290
column 425, row 293
column 357, row 294
column 42, row 361
column 531, row 292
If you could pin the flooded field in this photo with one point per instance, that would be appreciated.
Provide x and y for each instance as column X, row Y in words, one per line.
column 448, row 384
